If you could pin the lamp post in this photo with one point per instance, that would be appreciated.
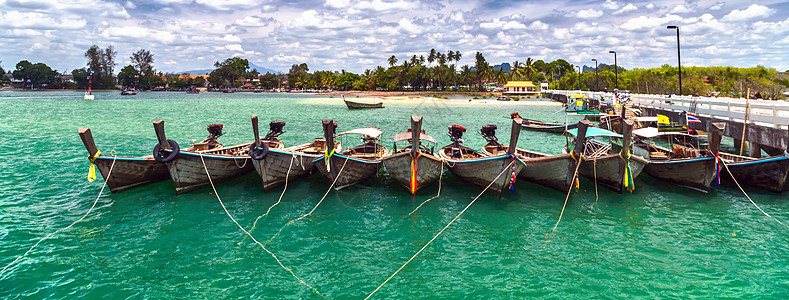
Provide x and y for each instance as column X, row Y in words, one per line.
column 679, row 62
column 596, row 85
column 616, row 72
column 579, row 77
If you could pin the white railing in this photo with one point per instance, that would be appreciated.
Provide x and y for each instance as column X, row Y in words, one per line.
column 761, row 112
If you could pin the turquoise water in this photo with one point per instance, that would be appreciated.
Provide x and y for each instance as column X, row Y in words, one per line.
column 659, row 241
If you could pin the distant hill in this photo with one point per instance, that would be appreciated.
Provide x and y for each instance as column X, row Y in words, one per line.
column 504, row 66
column 252, row 66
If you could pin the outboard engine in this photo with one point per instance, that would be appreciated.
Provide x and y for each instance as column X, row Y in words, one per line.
column 456, row 133
column 214, row 131
column 275, row 130
column 489, row 133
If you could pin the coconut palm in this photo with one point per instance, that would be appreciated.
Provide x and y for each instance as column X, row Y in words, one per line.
column 528, row 68
column 432, row 56
column 392, row 61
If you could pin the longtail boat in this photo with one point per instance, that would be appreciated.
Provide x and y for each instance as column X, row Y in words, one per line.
column 553, row 171
column 414, row 165
column 691, row 167
column 223, row 163
column 128, row 172
column 769, row 173
column 355, row 164
column 358, row 104
column 480, row 169
column 275, row 165
column 616, row 170
column 535, row 125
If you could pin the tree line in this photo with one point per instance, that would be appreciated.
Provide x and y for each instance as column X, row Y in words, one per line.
column 433, row 71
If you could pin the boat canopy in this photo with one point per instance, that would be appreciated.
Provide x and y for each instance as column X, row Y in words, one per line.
column 594, row 131
column 578, row 96
column 369, row 131
column 407, row 135
column 650, row 132
column 646, row 119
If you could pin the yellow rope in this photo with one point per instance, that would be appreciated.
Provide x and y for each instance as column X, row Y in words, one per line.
column 316, row 205
column 441, row 175
column 594, row 165
column 746, row 194
column 441, row 231
column 114, row 156
column 280, row 195
column 570, row 190
column 250, row 235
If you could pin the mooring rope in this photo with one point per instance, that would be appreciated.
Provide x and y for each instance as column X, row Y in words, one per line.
column 440, row 176
column 594, row 165
column 569, row 191
column 280, row 195
column 250, row 235
column 114, row 156
column 316, row 205
column 442, row 230
column 746, row 194
column 241, row 166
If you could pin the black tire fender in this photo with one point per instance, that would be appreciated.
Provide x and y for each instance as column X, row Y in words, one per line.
column 258, row 153
column 164, row 156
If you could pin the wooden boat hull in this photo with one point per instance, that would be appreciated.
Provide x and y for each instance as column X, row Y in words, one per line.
column 355, row 171
column 768, row 173
column 273, row 169
column 428, row 169
column 131, row 172
column 609, row 170
column 358, row 105
column 550, row 171
column 188, row 173
column 482, row 171
column 695, row 173
column 550, row 129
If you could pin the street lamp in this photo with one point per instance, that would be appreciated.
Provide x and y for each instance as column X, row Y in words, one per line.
column 679, row 62
column 616, row 75
column 579, row 77
column 596, row 85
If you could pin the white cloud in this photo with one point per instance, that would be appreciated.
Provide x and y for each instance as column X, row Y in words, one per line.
column 407, row 26
column 538, row 25
column 589, row 14
column 226, row 4
column 337, row 3
column 753, row 11
column 252, row 21
column 716, row 6
column 627, row 8
column 644, row 22
column 650, row 6
column 610, row 5
column 680, row 9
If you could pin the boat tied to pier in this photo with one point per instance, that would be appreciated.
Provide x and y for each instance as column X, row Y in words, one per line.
column 354, row 165
column 414, row 165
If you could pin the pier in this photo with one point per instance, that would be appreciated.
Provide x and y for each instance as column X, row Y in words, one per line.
column 766, row 127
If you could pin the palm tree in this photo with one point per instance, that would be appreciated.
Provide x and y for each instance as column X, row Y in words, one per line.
column 442, row 59
column 414, row 60
column 457, row 56
column 451, row 56
column 421, row 59
column 392, row 61
column 528, row 68
column 432, row 57
column 516, row 71
column 500, row 76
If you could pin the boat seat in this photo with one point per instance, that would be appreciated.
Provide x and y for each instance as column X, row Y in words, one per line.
column 657, row 155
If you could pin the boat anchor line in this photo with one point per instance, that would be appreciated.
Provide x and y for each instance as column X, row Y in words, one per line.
column 316, row 205
column 109, row 174
column 293, row 156
column 440, row 176
column 746, row 194
column 569, row 191
column 442, row 229
column 594, row 167
column 250, row 235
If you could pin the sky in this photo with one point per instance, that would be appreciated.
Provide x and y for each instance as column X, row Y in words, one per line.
column 355, row 35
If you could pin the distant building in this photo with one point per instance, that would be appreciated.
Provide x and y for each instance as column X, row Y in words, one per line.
column 521, row 88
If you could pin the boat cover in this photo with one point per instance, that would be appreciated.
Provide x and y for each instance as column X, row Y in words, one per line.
column 650, row 132
column 594, row 131
column 369, row 131
column 407, row 135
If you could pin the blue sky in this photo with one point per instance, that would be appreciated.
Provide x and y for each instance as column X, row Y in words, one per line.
column 359, row 34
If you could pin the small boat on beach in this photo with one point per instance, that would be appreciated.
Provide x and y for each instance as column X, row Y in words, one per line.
column 414, row 165
column 188, row 167
column 478, row 168
column 128, row 172
column 351, row 104
column 354, row 165
column 275, row 166
column 503, row 98
column 601, row 163
column 693, row 167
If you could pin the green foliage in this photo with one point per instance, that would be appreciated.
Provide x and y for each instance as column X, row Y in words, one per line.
column 37, row 75
column 228, row 71
column 100, row 66
column 127, row 77
column 142, row 62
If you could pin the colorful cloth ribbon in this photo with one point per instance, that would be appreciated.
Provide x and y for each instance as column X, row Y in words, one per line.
column 577, row 160
column 92, row 167
column 414, row 182
column 628, row 180
column 326, row 156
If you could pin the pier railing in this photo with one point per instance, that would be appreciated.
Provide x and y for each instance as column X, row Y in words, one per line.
column 773, row 113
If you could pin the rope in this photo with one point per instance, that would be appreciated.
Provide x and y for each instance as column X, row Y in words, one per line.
column 328, row 162
column 569, row 191
column 441, row 231
column 746, row 194
column 250, row 235
column 594, row 165
column 241, row 166
column 280, row 195
column 114, row 156
column 440, row 176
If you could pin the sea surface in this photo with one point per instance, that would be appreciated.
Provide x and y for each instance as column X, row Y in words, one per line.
column 660, row 241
